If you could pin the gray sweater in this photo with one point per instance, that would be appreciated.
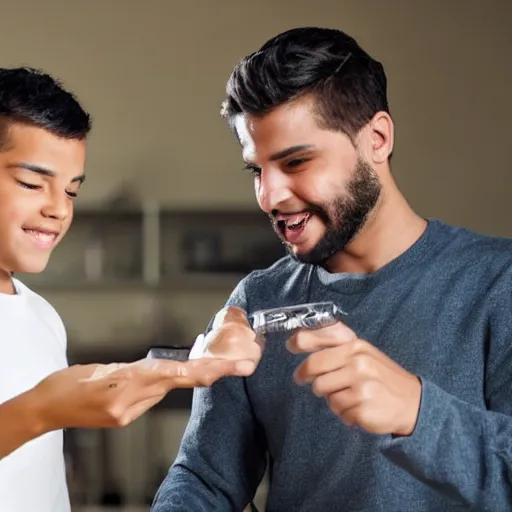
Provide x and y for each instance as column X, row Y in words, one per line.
column 443, row 310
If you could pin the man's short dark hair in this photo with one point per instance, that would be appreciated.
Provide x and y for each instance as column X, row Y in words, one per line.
column 32, row 97
column 347, row 85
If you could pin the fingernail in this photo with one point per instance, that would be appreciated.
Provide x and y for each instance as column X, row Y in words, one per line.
column 301, row 381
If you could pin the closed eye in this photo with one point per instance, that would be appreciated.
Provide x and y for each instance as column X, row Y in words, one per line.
column 28, row 185
column 296, row 162
column 31, row 186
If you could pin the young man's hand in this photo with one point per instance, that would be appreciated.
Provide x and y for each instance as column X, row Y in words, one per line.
column 114, row 395
column 361, row 384
column 231, row 338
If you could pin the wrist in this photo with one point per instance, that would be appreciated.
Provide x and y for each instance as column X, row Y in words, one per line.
column 36, row 411
column 409, row 426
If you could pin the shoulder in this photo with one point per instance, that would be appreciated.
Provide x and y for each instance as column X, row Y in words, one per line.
column 471, row 248
column 40, row 307
column 481, row 264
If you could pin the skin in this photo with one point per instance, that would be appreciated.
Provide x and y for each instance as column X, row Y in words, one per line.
column 231, row 337
column 37, row 200
column 40, row 175
column 361, row 384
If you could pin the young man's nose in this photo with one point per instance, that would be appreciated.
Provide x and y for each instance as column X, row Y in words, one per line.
column 57, row 206
column 272, row 189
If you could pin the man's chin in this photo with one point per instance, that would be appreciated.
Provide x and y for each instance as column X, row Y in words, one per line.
column 302, row 255
column 306, row 252
column 318, row 254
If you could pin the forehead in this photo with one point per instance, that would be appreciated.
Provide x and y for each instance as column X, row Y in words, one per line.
column 34, row 145
column 289, row 125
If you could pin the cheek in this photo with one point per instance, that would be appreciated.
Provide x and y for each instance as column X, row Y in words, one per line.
column 12, row 210
column 317, row 191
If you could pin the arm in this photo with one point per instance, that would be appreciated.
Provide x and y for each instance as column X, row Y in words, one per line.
column 99, row 396
column 461, row 450
column 222, row 455
column 21, row 422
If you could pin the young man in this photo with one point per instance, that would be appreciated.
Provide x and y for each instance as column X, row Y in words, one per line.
column 407, row 405
column 43, row 133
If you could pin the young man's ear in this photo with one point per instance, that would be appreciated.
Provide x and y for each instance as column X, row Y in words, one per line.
column 381, row 137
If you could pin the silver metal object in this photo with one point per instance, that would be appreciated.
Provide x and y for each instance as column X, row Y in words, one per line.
column 313, row 315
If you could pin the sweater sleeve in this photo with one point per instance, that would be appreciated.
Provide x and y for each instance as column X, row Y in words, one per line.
column 459, row 449
column 221, row 459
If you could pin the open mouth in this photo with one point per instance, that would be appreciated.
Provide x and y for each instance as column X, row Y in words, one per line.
column 42, row 238
column 294, row 222
column 291, row 226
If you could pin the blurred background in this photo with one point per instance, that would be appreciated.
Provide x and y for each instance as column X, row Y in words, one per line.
column 167, row 224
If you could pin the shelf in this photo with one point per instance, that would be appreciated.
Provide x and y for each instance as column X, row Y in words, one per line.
column 159, row 249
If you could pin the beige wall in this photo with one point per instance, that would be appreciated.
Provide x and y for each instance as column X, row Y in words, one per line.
column 153, row 74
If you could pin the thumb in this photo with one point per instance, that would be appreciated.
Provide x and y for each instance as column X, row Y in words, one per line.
column 312, row 340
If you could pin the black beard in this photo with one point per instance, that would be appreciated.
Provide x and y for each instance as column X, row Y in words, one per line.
column 344, row 217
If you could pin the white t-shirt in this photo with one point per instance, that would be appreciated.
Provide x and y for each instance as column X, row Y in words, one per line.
column 33, row 345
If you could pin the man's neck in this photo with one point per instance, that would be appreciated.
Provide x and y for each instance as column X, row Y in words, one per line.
column 390, row 231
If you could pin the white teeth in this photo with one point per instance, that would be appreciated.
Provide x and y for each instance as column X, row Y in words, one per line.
column 43, row 237
column 296, row 221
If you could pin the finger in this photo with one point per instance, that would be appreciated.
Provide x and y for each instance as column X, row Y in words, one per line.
column 138, row 381
column 157, row 369
column 138, row 409
column 311, row 340
column 204, row 372
column 345, row 403
column 327, row 360
column 238, row 366
column 332, row 382
column 189, row 374
column 162, row 369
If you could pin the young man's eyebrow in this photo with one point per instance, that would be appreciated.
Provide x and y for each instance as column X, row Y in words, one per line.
column 291, row 150
column 283, row 153
column 42, row 170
